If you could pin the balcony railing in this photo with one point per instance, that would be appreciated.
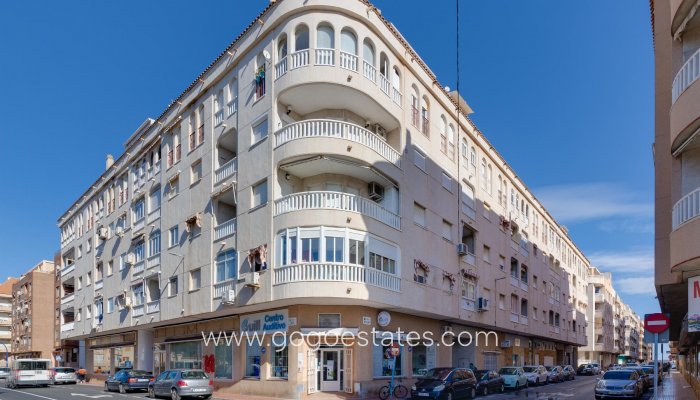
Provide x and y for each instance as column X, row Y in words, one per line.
column 137, row 311
column 223, row 287
column 140, row 224
column 67, row 269
column 153, row 261
column 138, row 267
column 384, row 84
column 68, row 299
column 226, row 170
column 281, row 68
column 99, row 284
column 319, row 272
column 232, row 107
column 369, row 71
column 325, row 56
column 153, row 215
column 67, row 326
column 687, row 208
column 688, row 74
column 396, row 96
column 339, row 130
column 219, row 117
column 348, row 61
column 225, row 229
column 336, row 201
column 299, row 59
column 153, row 307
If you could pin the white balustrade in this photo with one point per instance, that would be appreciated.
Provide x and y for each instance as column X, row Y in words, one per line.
column 687, row 208
column 322, row 272
column 68, row 299
column 340, row 130
column 232, row 106
column 396, row 96
column 225, row 229
column 138, row 267
column 137, row 311
column 384, row 84
column 688, row 74
column 324, row 56
column 67, row 269
column 67, row 326
column 153, row 261
column 299, row 59
column 99, row 284
column 219, row 117
column 514, row 317
column 337, row 201
column 369, row 71
column 348, row 61
column 281, row 68
column 226, row 170
column 153, row 215
column 223, row 287
column 153, row 306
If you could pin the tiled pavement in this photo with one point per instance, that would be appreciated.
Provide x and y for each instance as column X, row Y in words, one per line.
column 675, row 387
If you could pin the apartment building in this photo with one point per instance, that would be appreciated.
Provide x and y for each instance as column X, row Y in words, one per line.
column 676, row 33
column 66, row 352
column 605, row 329
column 316, row 180
column 6, row 321
column 32, row 312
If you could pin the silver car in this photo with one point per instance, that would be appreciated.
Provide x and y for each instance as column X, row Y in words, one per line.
column 620, row 383
column 182, row 383
column 63, row 375
column 536, row 374
column 4, row 373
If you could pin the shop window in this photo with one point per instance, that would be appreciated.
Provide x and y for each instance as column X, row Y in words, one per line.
column 186, row 355
column 252, row 359
column 423, row 359
column 280, row 358
column 101, row 361
column 223, row 356
column 383, row 365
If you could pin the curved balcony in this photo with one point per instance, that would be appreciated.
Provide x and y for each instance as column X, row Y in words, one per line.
column 322, row 272
column 686, row 76
column 687, row 208
column 685, row 254
column 336, row 201
column 323, row 128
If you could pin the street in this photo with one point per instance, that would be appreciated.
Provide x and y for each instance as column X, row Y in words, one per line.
column 581, row 388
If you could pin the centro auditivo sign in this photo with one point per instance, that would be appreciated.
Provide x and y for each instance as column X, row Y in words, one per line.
column 268, row 322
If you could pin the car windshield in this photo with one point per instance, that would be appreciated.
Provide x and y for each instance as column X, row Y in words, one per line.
column 550, row 368
column 530, row 369
column 194, row 375
column 32, row 365
column 481, row 373
column 137, row 372
column 508, row 371
column 437, row 373
column 4, row 370
column 618, row 375
column 648, row 370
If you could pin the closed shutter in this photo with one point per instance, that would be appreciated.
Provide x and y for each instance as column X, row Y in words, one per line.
column 491, row 361
column 311, row 372
column 347, row 374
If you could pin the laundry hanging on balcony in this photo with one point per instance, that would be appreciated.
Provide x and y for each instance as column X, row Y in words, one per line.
column 257, row 258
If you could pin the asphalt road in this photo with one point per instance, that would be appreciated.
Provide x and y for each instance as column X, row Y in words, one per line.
column 582, row 388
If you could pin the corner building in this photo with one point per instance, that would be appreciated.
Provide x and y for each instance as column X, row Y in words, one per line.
column 315, row 177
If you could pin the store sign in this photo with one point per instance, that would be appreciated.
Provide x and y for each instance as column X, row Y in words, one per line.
column 269, row 322
column 694, row 304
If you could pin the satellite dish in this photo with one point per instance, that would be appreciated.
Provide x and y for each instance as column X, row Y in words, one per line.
column 266, row 54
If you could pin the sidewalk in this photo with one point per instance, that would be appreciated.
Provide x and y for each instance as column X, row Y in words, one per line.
column 675, row 387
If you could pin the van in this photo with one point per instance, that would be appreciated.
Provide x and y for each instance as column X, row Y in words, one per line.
column 29, row 372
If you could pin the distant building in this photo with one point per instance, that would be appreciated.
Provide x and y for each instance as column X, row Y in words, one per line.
column 32, row 312
column 65, row 351
column 6, row 320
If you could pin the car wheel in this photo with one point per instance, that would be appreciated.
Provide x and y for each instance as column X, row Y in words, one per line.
column 151, row 393
column 122, row 390
column 527, row 384
column 485, row 391
column 472, row 393
column 537, row 382
column 502, row 388
column 174, row 395
column 107, row 387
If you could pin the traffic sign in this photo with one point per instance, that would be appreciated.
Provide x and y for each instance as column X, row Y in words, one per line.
column 656, row 323
column 395, row 350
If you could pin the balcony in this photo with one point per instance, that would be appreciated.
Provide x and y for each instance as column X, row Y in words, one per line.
column 153, row 215
column 223, row 287
column 336, row 201
column 140, row 224
column 319, row 272
column 323, row 128
column 98, row 284
column 226, row 170
column 153, row 307
column 5, row 307
column 514, row 317
column 687, row 208
column 153, row 261
column 67, row 299
column 138, row 268
column 687, row 75
column 232, row 106
column 67, row 269
column 137, row 311
column 598, row 298
column 67, row 326
column 225, row 229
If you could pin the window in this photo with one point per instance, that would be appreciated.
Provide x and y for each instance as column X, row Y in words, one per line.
column 382, row 366
column 219, row 107
column 425, row 116
column 513, row 303
column 172, row 286
column 446, row 230
column 483, row 173
column 88, row 311
column 280, row 358
column 329, row 320
column 226, row 265
column 260, row 76
column 382, row 263
column 310, row 248
column 423, row 359
column 301, row 38
column 110, row 267
column 523, row 307
column 451, row 141
column 154, row 200
column 487, row 254
column 419, row 159
column 469, row 238
column 356, row 253
column 419, row 214
column 446, row 181
column 110, row 305
column 325, row 37
column 414, row 106
column 502, row 262
column 232, row 89
column 501, row 301
column 80, row 251
column 196, row 172
column 468, row 201
column 252, row 359
column 514, row 268
column 139, row 252
column 523, row 273
column 195, row 279
column 139, row 210
column 78, row 315
column 186, row 355
column 88, row 279
column 154, row 243
column 80, row 282
column 174, row 186
column 420, row 275
column 88, row 245
column 137, row 294
column 223, row 357
column 174, row 236
column 489, row 179
column 259, row 194
column 334, row 249
column 534, row 313
column 122, row 261
column 469, row 288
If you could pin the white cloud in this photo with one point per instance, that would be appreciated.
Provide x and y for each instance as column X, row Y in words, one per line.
column 627, row 261
column 642, row 285
column 628, row 226
column 591, row 201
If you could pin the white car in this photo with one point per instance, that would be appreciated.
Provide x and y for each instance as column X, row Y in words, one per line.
column 536, row 374
column 29, row 372
column 596, row 368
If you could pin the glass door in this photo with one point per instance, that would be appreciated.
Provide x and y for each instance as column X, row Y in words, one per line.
column 330, row 380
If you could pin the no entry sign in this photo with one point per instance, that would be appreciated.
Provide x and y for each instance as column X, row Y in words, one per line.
column 656, row 323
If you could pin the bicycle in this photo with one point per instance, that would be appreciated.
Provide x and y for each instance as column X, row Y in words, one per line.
column 399, row 391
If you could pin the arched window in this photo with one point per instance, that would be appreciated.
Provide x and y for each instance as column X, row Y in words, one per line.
column 383, row 65
column 451, row 142
column 489, row 180
column 414, row 105
column 425, row 116
column 325, row 43
column 396, row 79
column 348, row 41
column 368, row 68
column 282, row 47
column 226, row 265
column 301, row 38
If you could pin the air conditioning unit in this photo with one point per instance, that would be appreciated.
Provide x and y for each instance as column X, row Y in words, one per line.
column 482, row 304
column 506, row 344
column 253, row 280
column 102, row 233
column 228, row 297
column 120, row 231
column 462, row 249
column 376, row 191
column 131, row 258
column 379, row 130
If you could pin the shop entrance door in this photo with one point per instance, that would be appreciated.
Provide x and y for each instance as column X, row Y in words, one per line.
column 330, row 368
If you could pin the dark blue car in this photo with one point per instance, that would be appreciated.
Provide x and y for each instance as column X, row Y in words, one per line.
column 128, row 379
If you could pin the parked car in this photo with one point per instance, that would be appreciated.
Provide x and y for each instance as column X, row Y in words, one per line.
column 182, row 383
column 29, row 372
column 648, row 379
column 555, row 373
column 596, row 368
column 536, row 374
column 488, row 381
column 4, row 373
column 569, row 373
column 619, row 383
column 513, row 377
column 128, row 379
column 63, row 375
column 586, row 369
column 649, row 370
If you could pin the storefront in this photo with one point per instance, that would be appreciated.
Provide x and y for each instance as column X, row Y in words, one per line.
column 108, row 354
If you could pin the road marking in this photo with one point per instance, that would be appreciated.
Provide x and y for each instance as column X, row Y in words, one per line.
column 97, row 396
column 31, row 394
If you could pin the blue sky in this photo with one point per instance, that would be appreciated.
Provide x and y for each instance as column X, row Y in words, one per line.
column 564, row 90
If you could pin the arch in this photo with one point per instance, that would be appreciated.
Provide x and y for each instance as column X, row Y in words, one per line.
column 301, row 37
column 368, row 51
column 282, row 47
column 415, row 104
column 383, row 64
column 348, row 41
column 325, row 36
column 396, row 78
